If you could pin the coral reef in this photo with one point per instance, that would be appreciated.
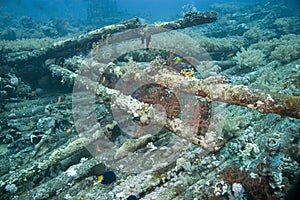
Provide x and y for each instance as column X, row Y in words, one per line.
column 253, row 34
column 157, row 143
column 250, row 58
column 287, row 50
column 284, row 49
column 287, row 25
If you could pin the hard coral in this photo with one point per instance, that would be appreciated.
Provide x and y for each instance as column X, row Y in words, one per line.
column 250, row 58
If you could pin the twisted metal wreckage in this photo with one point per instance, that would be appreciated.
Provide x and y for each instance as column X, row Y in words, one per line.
column 213, row 88
column 285, row 105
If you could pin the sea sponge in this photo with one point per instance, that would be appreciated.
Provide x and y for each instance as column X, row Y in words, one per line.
column 250, row 58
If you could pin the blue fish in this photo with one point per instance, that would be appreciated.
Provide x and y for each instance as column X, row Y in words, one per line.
column 131, row 197
column 107, row 177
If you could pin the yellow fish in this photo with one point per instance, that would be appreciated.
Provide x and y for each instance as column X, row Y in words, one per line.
column 100, row 178
column 178, row 60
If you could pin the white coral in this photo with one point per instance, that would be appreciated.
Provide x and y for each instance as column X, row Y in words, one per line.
column 238, row 190
column 71, row 172
column 250, row 58
column 288, row 50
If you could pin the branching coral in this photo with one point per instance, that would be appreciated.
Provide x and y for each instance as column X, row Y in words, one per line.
column 288, row 49
column 253, row 34
column 284, row 49
column 287, row 25
column 250, row 58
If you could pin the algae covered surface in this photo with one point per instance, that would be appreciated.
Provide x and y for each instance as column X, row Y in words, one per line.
column 125, row 105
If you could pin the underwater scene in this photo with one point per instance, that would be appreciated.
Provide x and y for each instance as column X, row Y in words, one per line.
column 149, row 100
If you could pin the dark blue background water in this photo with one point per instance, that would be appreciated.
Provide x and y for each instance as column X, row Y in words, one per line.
column 151, row 10
column 77, row 9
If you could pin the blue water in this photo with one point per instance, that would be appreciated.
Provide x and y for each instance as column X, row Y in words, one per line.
column 151, row 10
column 168, row 8
column 77, row 9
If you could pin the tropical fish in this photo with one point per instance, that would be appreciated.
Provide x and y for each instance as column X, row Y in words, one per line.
column 58, row 100
column 69, row 130
column 178, row 60
column 132, row 197
column 230, row 55
column 107, row 177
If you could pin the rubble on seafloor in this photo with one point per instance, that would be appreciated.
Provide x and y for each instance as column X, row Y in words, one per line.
column 43, row 156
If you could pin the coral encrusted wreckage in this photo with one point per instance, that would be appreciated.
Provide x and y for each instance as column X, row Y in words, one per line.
column 168, row 128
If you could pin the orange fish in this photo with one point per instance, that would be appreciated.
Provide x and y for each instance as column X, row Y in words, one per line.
column 227, row 15
column 69, row 130
column 230, row 55
column 65, row 23
column 58, row 100
column 149, row 45
column 103, row 79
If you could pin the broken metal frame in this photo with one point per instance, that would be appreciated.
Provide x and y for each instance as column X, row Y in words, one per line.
column 214, row 88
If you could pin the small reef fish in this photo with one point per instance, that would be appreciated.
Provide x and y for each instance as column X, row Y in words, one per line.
column 230, row 55
column 69, row 130
column 178, row 60
column 107, row 178
column 132, row 197
column 58, row 100
column 103, row 79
